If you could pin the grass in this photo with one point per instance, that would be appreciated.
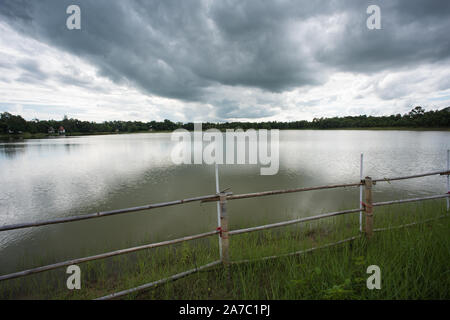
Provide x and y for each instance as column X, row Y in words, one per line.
column 413, row 263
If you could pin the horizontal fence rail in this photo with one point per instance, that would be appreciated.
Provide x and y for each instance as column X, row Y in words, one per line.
column 286, row 223
column 298, row 252
column 105, row 255
column 222, row 230
column 442, row 173
column 410, row 224
column 385, row 203
column 158, row 282
column 330, row 214
column 105, row 213
column 276, row 192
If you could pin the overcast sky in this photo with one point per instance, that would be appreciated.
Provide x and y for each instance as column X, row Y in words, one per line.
column 222, row 60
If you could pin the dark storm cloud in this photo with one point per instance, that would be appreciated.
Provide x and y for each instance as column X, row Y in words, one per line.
column 18, row 9
column 182, row 49
column 413, row 32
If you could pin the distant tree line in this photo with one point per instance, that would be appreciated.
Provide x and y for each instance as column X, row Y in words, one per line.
column 417, row 117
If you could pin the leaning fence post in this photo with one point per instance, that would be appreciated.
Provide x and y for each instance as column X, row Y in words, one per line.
column 224, row 229
column 368, row 208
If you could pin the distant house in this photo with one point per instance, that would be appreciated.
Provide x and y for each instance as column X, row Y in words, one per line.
column 61, row 130
column 51, row 130
column 150, row 128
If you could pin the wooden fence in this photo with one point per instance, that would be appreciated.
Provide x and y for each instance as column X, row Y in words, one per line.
column 223, row 231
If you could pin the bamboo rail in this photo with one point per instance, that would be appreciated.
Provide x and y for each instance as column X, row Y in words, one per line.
column 385, row 203
column 333, row 186
column 297, row 252
column 104, row 255
column 105, row 213
column 155, row 283
column 442, row 173
column 330, row 214
column 286, row 223
column 276, row 192
column 409, row 224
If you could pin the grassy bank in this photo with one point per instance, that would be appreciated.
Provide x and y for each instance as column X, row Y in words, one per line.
column 413, row 262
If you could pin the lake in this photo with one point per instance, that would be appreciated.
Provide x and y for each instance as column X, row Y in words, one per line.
column 65, row 176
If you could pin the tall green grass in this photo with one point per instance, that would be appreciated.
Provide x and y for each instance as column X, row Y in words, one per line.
column 413, row 263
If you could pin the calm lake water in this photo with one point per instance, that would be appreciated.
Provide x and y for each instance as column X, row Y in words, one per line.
column 65, row 176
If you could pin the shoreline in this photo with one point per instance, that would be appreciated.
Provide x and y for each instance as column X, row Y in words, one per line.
column 27, row 135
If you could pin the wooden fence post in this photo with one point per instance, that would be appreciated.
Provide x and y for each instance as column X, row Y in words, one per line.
column 218, row 210
column 361, row 191
column 448, row 179
column 368, row 208
column 224, row 229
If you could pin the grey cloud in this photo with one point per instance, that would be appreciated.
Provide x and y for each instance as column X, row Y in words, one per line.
column 5, row 65
column 444, row 84
column 30, row 66
column 413, row 32
column 19, row 9
column 401, row 86
column 229, row 109
column 78, row 81
column 32, row 73
column 184, row 49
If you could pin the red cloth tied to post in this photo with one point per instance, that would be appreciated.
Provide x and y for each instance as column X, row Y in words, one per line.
column 366, row 205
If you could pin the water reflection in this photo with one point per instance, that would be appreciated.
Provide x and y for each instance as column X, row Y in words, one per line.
column 49, row 178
